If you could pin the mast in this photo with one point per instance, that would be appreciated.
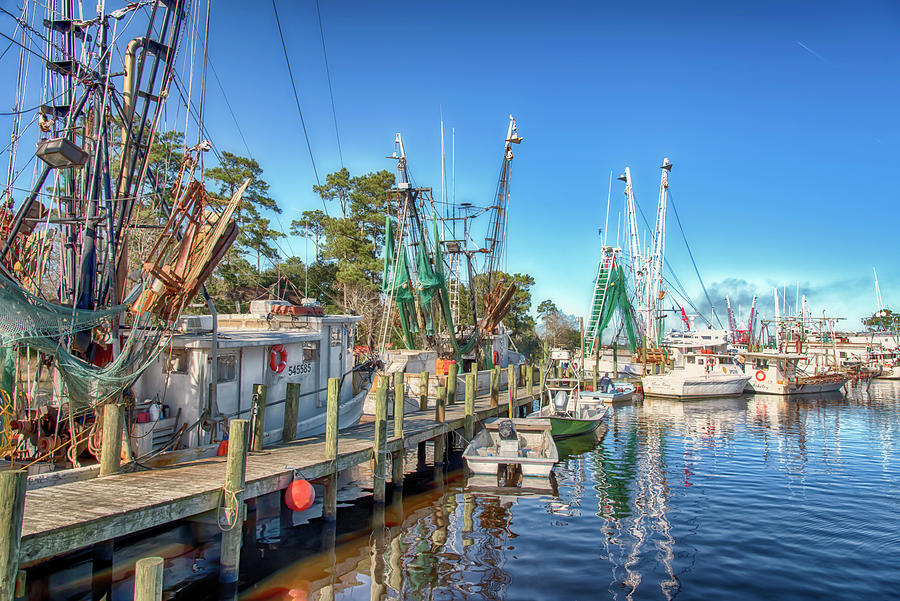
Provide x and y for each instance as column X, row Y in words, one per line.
column 655, row 291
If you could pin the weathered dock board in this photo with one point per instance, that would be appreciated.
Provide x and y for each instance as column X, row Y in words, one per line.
column 67, row 517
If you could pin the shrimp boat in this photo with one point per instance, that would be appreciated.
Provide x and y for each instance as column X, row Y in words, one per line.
column 697, row 374
column 772, row 372
column 527, row 443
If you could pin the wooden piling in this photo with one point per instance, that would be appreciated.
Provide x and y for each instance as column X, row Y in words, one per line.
column 148, row 579
column 452, row 375
column 20, row 589
column 529, row 378
column 378, row 449
column 423, row 391
column 12, row 510
column 332, row 419
column 439, row 404
column 329, row 509
column 259, row 418
column 397, row 468
column 235, row 473
column 511, row 381
column 495, row 386
column 470, row 407
column 398, row 404
column 291, row 407
column 111, row 447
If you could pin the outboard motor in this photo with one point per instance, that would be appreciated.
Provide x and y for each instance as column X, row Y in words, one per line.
column 560, row 401
column 509, row 438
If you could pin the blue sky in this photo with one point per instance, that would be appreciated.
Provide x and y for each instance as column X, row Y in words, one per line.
column 780, row 119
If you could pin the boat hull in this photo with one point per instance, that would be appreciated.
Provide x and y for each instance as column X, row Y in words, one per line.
column 693, row 387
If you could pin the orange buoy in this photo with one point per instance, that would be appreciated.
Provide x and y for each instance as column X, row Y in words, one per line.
column 223, row 448
column 299, row 495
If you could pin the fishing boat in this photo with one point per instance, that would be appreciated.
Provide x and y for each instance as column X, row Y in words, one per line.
column 618, row 392
column 568, row 417
column 771, row 372
column 109, row 245
column 696, row 375
column 527, row 443
column 446, row 297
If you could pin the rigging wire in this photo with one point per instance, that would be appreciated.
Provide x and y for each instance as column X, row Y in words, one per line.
column 287, row 60
column 691, row 255
column 330, row 90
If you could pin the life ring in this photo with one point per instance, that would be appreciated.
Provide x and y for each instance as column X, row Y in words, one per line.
column 278, row 358
column 496, row 357
column 760, row 375
column 711, row 361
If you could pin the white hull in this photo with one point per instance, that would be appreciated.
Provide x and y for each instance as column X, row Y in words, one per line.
column 677, row 385
column 889, row 373
column 535, row 454
column 769, row 387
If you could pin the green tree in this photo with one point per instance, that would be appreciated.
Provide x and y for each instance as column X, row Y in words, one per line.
column 255, row 235
column 882, row 321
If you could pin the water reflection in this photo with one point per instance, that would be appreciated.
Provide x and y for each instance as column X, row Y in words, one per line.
column 743, row 498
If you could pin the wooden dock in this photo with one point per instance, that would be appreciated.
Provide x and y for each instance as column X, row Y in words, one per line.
column 70, row 516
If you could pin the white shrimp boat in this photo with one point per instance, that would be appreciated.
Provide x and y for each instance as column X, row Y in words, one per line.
column 527, row 443
column 698, row 375
column 771, row 372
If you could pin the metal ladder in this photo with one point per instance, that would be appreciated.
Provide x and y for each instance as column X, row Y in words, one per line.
column 601, row 287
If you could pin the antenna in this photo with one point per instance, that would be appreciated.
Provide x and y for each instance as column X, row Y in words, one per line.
column 878, row 300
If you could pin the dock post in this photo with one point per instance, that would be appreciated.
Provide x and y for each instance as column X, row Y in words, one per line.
column 495, row 386
column 291, row 406
column 233, row 492
column 470, row 407
column 440, row 441
column 12, row 506
column 378, row 452
column 20, row 589
column 513, row 390
column 596, row 362
column 529, row 378
column 148, row 579
column 439, row 409
column 452, row 375
column 329, row 510
column 423, row 391
column 397, row 468
column 111, row 447
column 259, row 416
column 398, row 404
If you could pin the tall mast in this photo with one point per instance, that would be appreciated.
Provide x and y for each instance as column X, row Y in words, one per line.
column 655, row 292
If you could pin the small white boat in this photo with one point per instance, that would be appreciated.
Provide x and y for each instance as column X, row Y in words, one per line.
column 524, row 442
column 618, row 392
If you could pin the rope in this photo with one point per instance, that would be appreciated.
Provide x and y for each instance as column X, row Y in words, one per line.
column 231, row 505
column 330, row 91
column 296, row 95
column 691, row 255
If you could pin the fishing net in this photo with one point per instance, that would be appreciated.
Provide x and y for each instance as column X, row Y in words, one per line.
column 26, row 319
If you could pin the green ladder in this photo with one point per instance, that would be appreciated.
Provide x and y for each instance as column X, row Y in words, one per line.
column 601, row 287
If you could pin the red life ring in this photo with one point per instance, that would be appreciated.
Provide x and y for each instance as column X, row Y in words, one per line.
column 278, row 358
column 760, row 375
column 496, row 358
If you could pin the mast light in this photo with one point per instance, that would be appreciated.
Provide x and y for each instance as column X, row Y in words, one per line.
column 60, row 153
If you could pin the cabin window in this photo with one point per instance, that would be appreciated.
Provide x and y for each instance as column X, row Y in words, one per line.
column 761, row 364
column 337, row 336
column 176, row 362
column 310, row 352
column 700, row 361
column 843, row 354
column 691, row 359
column 226, row 369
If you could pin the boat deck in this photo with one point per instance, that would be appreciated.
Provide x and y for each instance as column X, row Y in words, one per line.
column 70, row 516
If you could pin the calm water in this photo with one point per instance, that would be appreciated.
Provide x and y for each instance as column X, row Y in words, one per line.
column 748, row 498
